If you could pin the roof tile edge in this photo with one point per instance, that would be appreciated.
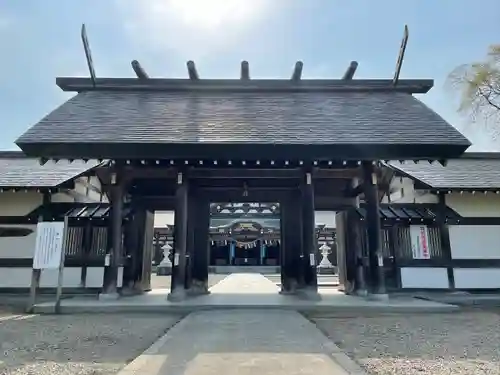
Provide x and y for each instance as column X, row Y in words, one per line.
column 79, row 84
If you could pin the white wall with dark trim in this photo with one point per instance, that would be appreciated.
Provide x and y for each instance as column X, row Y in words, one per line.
column 403, row 191
column 21, row 203
column 467, row 241
column 474, row 205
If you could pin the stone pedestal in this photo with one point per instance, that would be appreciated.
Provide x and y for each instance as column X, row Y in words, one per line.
column 165, row 266
column 325, row 266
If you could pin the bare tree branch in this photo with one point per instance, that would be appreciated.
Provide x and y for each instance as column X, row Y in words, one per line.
column 478, row 87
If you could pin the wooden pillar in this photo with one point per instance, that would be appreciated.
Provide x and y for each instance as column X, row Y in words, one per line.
column 288, row 262
column 147, row 250
column 310, row 241
column 199, row 228
column 115, row 231
column 136, row 236
column 135, row 248
column 297, row 242
column 373, row 228
column 360, row 263
column 178, row 285
column 86, row 249
column 445, row 238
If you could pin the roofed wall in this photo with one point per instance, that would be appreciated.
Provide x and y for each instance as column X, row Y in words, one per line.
column 466, row 203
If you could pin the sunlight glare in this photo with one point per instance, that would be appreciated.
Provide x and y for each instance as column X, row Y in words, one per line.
column 212, row 14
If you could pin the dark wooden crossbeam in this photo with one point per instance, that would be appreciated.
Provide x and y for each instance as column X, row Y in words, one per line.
column 245, row 70
column 193, row 73
column 351, row 70
column 164, row 202
column 139, row 70
column 355, row 191
column 411, row 86
column 234, row 173
column 297, row 71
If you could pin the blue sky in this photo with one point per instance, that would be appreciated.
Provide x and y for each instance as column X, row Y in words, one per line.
column 40, row 40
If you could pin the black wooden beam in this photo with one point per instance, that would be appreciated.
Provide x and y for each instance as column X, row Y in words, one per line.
column 297, row 71
column 199, row 256
column 245, row 71
column 178, row 288
column 401, row 56
column 413, row 86
column 309, row 239
column 167, row 203
column 139, row 70
column 351, row 70
column 355, row 191
column 373, row 229
column 291, row 243
column 193, row 73
column 236, row 173
column 115, row 242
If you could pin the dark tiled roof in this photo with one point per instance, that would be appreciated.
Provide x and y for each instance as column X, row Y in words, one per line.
column 461, row 173
column 318, row 118
column 410, row 212
column 19, row 171
column 78, row 211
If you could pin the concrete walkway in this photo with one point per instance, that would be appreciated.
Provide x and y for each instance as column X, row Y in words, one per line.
column 259, row 342
column 244, row 284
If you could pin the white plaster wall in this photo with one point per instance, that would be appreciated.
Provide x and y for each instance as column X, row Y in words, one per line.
column 90, row 195
column 477, row 278
column 403, row 191
column 475, row 205
column 21, row 277
column 164, row 218
column 22, row 203
column 475, row 241
column 62, row 198
column 18, row 247
column 325, row 218
column 424, row 278
column 19, row 203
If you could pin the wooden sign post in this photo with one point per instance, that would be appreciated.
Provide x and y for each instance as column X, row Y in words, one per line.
column 51, row 238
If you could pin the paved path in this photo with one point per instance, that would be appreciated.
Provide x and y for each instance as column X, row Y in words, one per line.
column 244, row 342
column 245, row 283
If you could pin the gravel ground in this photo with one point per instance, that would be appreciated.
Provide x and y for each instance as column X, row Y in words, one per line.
column 466, row 343
column 76, row 344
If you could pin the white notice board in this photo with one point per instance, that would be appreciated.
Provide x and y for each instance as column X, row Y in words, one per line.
column 49, row 245
column 420, row 241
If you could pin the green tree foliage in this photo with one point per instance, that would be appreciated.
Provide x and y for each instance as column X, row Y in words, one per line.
column 478, row 84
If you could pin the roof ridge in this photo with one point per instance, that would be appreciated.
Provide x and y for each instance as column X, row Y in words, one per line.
column 78, row 84
column 481, row 155
column 12, row 154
